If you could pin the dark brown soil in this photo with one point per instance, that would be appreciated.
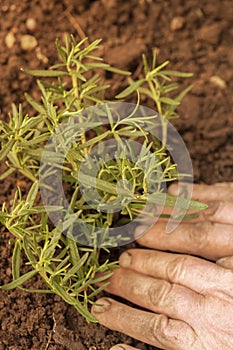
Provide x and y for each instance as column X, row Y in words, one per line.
column 195, row 36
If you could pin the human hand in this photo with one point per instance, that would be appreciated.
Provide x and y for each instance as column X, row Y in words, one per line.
column 209, row 235
column 190, row 300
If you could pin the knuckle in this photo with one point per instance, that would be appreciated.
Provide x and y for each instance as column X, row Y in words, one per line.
column 168, row 332
column 159, row 328
column 177, row 267
column 158, row 292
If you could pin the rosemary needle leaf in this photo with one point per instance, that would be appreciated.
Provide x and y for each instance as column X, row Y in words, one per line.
column 70, row 268
column 22, row 279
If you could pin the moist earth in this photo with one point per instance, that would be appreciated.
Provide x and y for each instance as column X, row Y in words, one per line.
column 195, row 36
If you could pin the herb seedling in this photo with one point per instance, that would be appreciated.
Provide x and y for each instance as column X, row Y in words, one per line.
column 69, row 268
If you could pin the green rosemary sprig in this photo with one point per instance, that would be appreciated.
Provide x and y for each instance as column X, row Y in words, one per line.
column 69, row 268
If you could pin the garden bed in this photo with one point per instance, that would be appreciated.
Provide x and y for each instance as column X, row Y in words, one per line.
column 196, row 37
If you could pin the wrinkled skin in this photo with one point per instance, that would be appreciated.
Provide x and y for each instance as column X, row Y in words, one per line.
column 187, row 301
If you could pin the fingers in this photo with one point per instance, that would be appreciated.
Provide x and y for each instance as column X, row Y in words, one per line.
column 157, row 330
column 219, row 198
column 179, row 269
column 220, row 191
column 206, row 239
column 219, row 211
column 157, row 295
column 209, row 235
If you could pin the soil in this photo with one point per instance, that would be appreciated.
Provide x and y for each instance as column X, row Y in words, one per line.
column 196, row 36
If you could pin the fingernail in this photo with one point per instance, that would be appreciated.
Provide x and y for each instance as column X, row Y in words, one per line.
column 101, row 306
column 174, row 189
column 140, row 230
column 125, row 259
column 117, row 347
column 226, row 262
column 179, row 189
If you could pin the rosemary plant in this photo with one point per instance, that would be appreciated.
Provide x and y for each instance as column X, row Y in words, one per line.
column 69, row 267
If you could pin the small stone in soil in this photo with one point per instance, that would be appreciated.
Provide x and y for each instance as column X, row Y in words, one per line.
column 10, row 40
column 217, row 81
column 28, row 42
column 31, row 24
column 177, row 23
